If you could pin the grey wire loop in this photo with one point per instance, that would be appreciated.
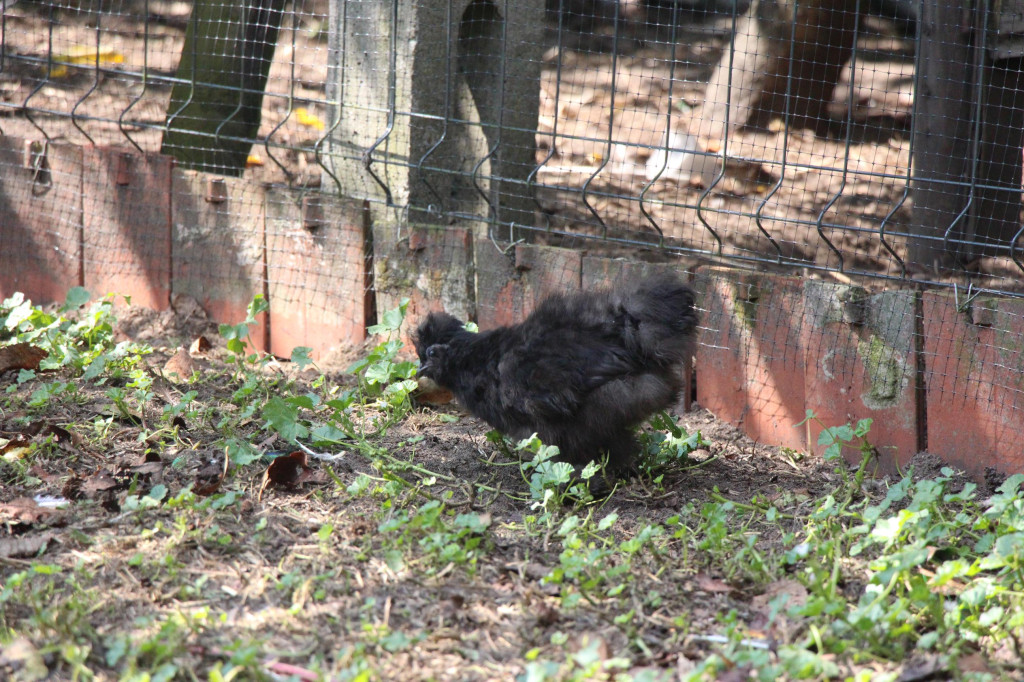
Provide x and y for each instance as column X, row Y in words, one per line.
column 145, row 83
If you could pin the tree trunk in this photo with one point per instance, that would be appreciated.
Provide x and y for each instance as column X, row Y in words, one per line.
column 215, row 110
column 785, row 60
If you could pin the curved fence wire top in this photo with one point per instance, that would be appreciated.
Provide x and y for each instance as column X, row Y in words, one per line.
column 879, row 139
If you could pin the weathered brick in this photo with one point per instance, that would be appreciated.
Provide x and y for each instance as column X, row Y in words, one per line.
column 431, row 266
column 318, row 272
column 510, row 284
column 217, row 246
column 861, row 362
column 750, row 360
column 974, row 381
column 41, row 214
column 126, row 241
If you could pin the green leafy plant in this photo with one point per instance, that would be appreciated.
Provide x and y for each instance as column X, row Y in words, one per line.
column 381, row 374
column 75, row 336
column 239, row 336
column 553, row 482
column 667, row 444
column 440, row 535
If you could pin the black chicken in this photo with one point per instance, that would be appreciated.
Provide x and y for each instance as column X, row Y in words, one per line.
column 581, row 371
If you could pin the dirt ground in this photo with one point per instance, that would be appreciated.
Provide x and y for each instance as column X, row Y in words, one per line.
column 290, row 593
column 817, row 199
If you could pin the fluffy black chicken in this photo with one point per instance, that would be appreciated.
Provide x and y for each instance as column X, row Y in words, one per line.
column 581, row 371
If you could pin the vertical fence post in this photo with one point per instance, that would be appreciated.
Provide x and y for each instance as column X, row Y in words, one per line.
column 967, row 140
column 469, row 71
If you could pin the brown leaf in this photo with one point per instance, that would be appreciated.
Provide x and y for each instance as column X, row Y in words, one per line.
column 199, row 345
column 209, row 478
column 60, row 435
column 796, row 592
column 709, row 584
column 286, row 469
column 25, row 510
column 24, row 545
column 100, row 482
column 153, row 472
column 21, row 356
column 290, row 471
column 43, row 475
column 12, row 449
column 429, row 393
column 180, row 367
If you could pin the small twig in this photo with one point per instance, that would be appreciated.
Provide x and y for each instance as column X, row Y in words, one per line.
column 322, row 456
column 722, row 639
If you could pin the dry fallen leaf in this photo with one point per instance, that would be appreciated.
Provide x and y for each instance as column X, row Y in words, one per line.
column 21, row 356
column 84, row 55
column 150, row 468
column 199, row 345
column 180, row 367
column 289, row 471
column 25, row 510
column 286, row 469
column 14, row 448
column 25, row 546
column 709, row 584
column 209, row 478
column 796, row 592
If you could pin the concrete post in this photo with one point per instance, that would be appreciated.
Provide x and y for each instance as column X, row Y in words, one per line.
column 437, row 105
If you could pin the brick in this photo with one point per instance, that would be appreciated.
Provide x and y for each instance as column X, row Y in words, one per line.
column 217, row 247
column 974, row 382
column 861, row 362
column 318, row 271
column 41, row 214
column 499, row 286
column 126, row 242
column 511, row 284
column 431, row 266
column 750, row 360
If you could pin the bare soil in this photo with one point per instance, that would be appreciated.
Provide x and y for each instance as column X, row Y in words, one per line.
column 464, row 622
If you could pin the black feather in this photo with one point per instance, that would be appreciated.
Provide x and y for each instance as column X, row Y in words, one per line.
column 581, row 371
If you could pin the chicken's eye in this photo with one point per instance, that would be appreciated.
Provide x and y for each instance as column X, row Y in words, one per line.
column 432, row 352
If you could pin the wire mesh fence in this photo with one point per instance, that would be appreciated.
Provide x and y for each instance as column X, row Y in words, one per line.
column 872, row 144
column 580, row 120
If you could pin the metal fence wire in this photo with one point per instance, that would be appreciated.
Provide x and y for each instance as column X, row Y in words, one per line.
column 774, row 132
column 869, row 142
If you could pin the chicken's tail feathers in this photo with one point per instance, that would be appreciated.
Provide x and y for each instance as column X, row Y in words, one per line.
column 664, row 318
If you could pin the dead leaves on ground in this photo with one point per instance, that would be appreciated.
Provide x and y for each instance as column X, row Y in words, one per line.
column 290, row 471
column 209, row 477
column 20, row 520
column 21, row 356
column 180, row 367
column 16, row 444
